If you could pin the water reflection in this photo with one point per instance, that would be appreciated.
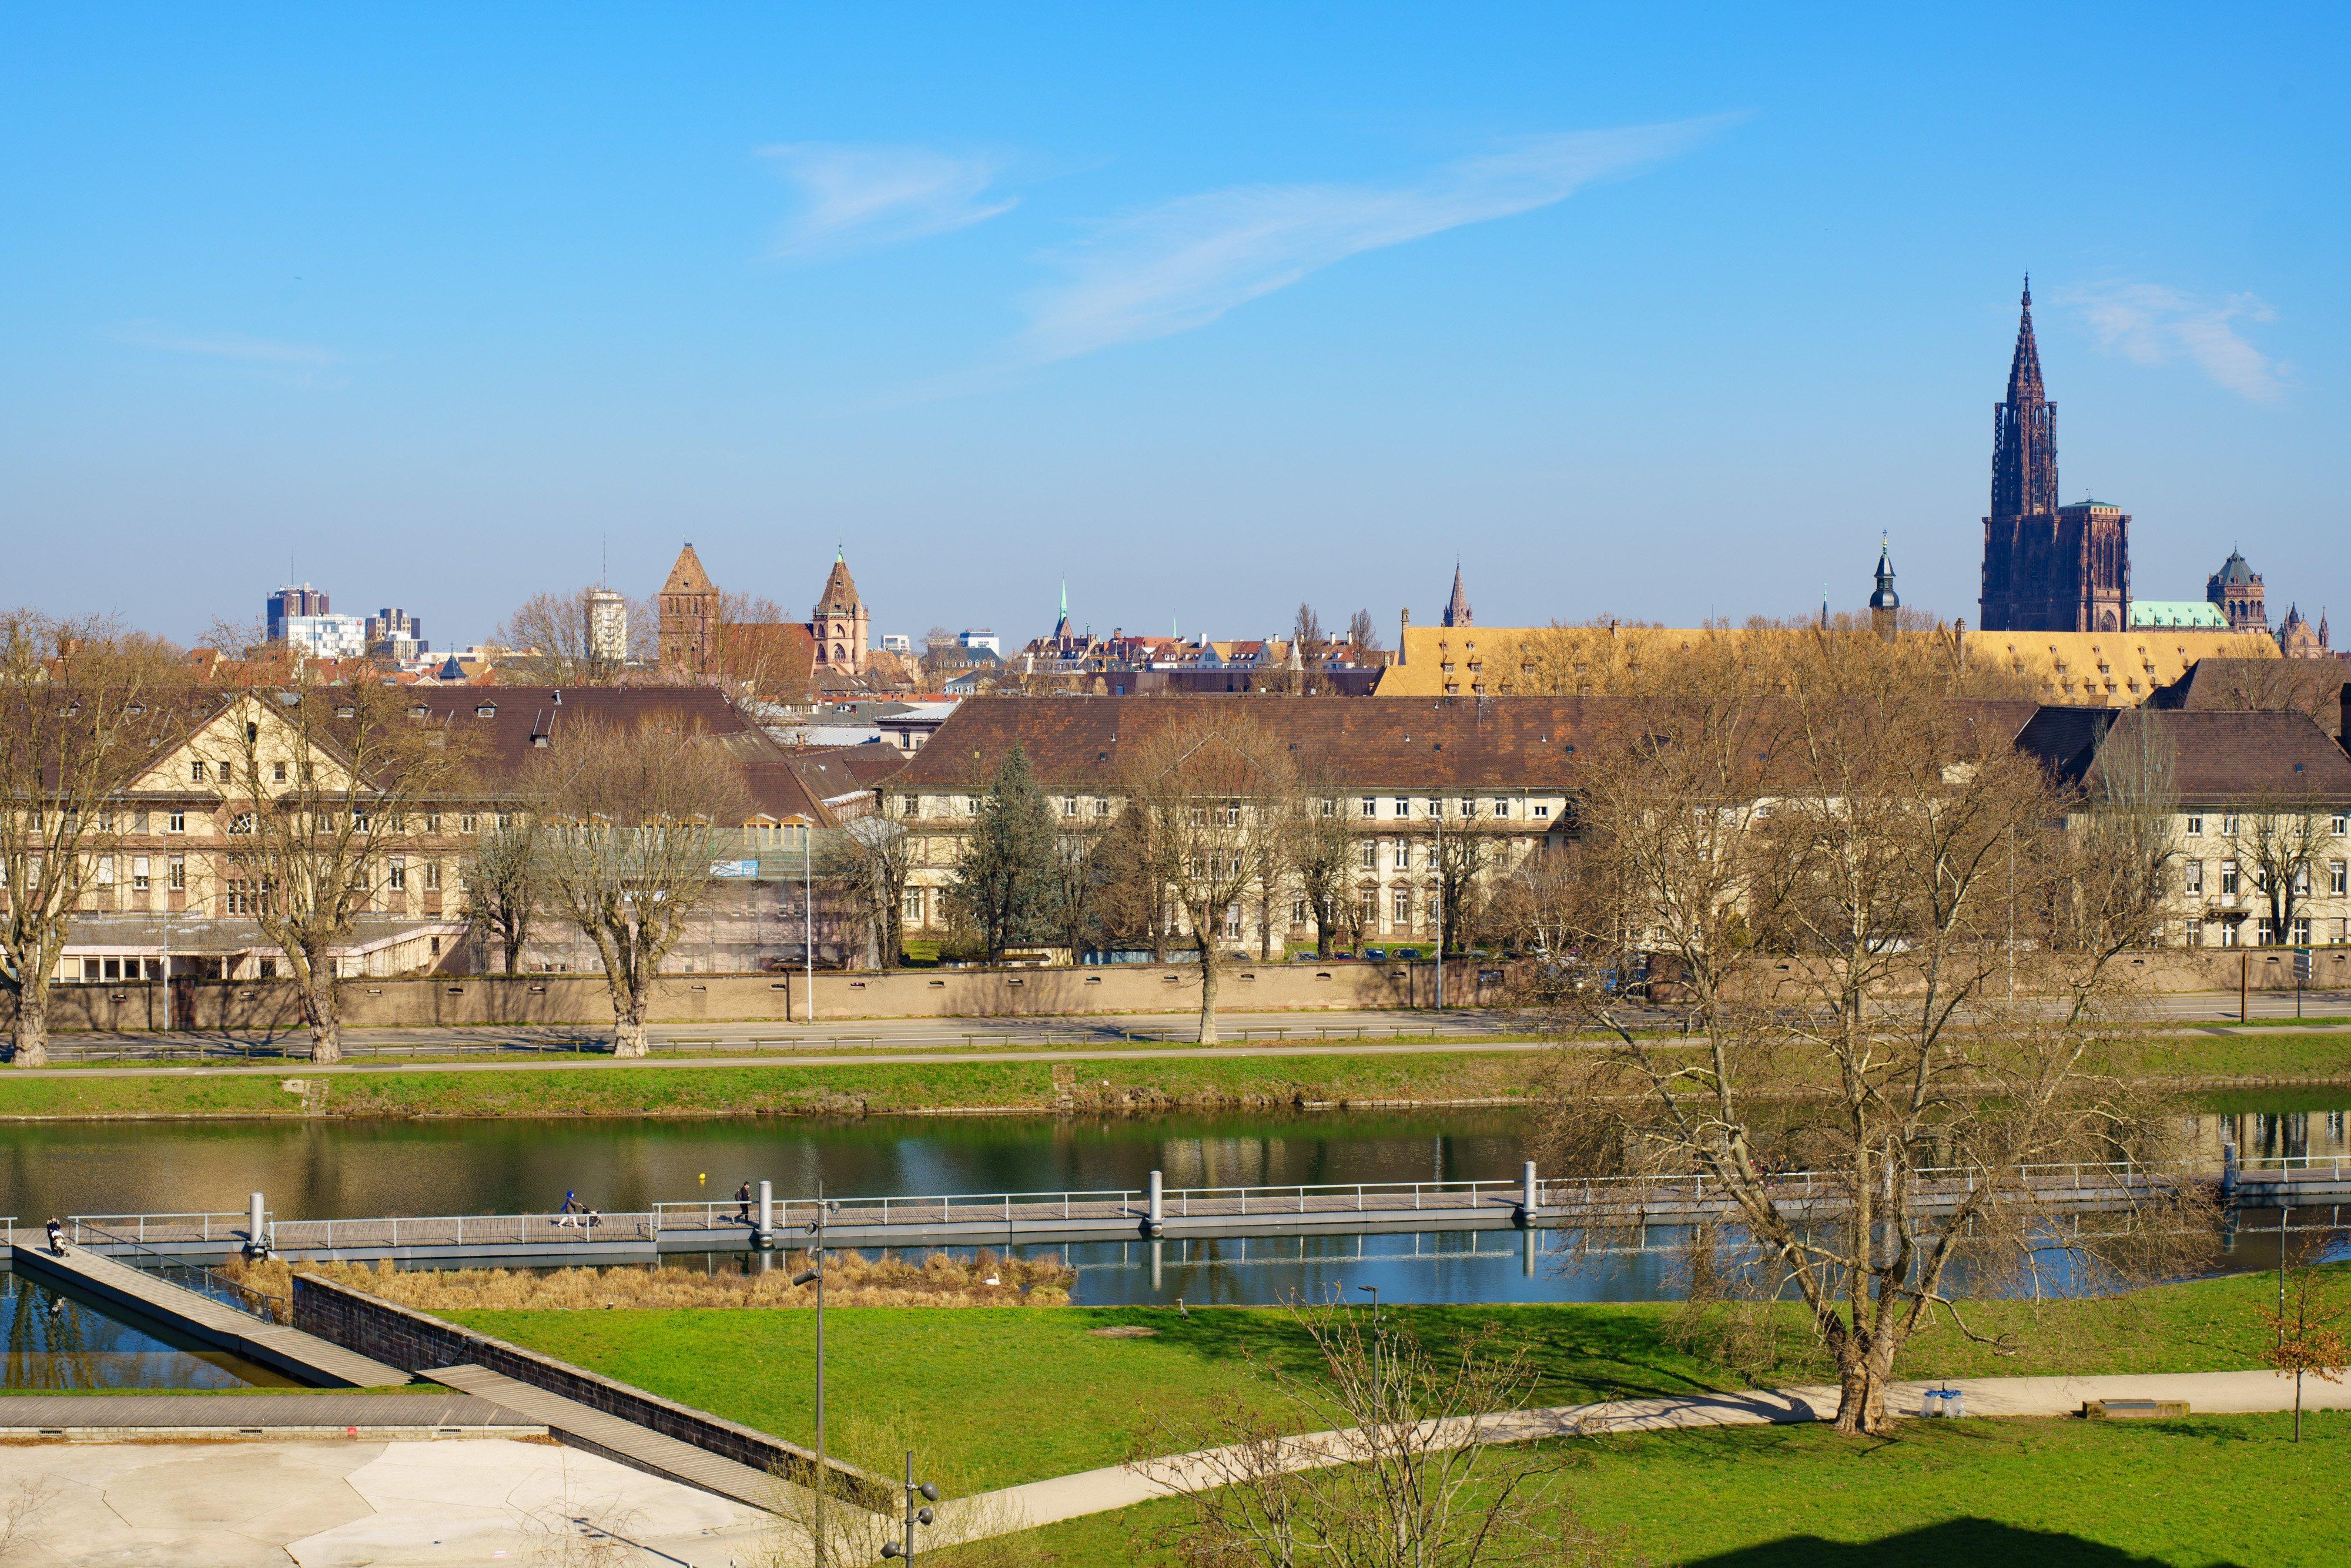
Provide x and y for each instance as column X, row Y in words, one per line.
column 56, row 1342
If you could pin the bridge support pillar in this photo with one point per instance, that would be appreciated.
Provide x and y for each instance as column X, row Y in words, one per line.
column 764, row 1236
column 257, row 1233
column 1156, row 1222
column 1530, row 1194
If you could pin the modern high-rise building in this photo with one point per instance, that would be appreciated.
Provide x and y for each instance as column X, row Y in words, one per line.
column 608, row 627
column 394, row 633
column 290, row 601
column 2046, row 568
column 326, row 636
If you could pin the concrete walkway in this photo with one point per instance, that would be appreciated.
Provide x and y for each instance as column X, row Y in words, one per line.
column 120, row 1417
column 2207, row 1393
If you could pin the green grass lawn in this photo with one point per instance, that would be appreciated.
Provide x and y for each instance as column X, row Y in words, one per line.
column 1021, row 1393
column 1966, row 1494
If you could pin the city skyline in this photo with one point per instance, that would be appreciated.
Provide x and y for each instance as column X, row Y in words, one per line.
column 1668, row 319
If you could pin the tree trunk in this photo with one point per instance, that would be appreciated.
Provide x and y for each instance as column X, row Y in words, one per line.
column 30, row 1037
column 324, row 1009
column 1861, row 1402
column 1207, row 988
column 629, row 1025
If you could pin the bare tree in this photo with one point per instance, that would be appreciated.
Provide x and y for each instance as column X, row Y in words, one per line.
column 1837, row 881
column 633, row 821
column 1306, row 631
column 870, row 858
column 1363, row 634
column 504, row 883
column 1534, row 906
column 1459, row 860
column 1324, row 852
column 1423, row 1462
column 319, row 786
column 555, row 642
column 2282, row 846
column 1220, row 796
column 81, row 710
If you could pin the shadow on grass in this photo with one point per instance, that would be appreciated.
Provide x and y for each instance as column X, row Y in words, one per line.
column 1958, row 1542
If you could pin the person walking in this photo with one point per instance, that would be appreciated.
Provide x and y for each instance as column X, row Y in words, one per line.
column 570, row 1203
column 743, row 1204
column 57, row 1237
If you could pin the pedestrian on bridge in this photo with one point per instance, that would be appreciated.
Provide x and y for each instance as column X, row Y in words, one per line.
column 57, row 1237
column 743, row 1204
column 570, row 1203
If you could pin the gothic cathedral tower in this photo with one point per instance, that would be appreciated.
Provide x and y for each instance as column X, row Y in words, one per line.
column 2046, row 568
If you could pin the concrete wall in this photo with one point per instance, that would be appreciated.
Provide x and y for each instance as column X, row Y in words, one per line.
column 417, row 1342
column 844, row 998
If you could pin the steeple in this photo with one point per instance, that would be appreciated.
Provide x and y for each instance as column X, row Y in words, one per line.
column 1884, row 602
column 2024, row 431
column 1457, row 610
column 1062, row 626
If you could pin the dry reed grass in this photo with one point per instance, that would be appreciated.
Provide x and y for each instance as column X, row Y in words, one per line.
column 851, row 1279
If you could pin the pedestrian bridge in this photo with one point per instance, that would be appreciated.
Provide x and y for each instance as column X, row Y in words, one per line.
column 1033, row 1219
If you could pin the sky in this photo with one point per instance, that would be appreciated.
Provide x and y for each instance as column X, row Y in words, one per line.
column 1204, row 311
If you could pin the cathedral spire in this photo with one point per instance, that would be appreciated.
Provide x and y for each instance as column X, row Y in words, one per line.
column 1457, row 610
column 2024, row 431
column 2024, row 367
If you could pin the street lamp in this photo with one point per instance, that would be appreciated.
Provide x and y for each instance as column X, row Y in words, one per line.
column 816, row 1272
column 1373, row 1291
column 919, row 1495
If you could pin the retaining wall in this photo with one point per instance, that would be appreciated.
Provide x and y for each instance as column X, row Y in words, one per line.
column 417, row 1342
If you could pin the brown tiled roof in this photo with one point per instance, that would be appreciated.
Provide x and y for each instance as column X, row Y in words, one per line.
column 778, row 790
column 2314, row 687
column 1406, row 743
column 2216, row 759
column 502, row 723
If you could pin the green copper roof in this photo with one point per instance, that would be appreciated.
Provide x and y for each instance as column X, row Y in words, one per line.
column 2192, row 614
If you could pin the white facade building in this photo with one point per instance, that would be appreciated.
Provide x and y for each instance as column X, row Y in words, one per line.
column 328, row 636
column 608, row 626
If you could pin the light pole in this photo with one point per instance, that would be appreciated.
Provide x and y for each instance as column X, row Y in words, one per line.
column 808, row 910
column 919, row 1495
column 816, row 1272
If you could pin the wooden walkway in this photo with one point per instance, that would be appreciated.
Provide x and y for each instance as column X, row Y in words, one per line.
column 378, row 1417
column 304, row 1357
column 616, row 1439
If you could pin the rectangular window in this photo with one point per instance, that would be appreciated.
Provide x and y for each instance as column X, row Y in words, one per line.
column 106, row 870
column 2341, row 825
column 1297, row 915
column 1367, row 910
column 175, row 873
column 2302, row 930
column 432, row 876
column 177, row 822
column 2342, row 932
column 1403, row 907
column 433, row 821
column 2196, row 827
column 2228, row 934
column 1368, row 854
column 1501, row 808
column 465, row 822
column 1402, row 806
column 1102, row 805
column 1370, row 806
column 396, row 874
column 1436, row 807
column 2338, row 876
column 2302, row 879
column 196, row 770
column 910, row 906
column 1403, row 854
column 1069, row 805
column 2264, row 934
column 1468, row 806
column 1543, row 808
column 2229, row 822
column 139, row 873
column 139, row 821
column 2227, row 879
column 277, row 773
column 2196, row 934
column 2192, row 876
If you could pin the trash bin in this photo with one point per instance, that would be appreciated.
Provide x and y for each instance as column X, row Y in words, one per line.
column 1942, row 1404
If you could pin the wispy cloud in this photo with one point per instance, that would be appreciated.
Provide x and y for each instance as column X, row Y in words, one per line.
column 2154, row 324
column 858, row 197
column 1183, row 263
column 225, row 346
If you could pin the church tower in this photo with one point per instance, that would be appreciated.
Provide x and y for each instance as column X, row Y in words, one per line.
column 2046, row 568
column 1457, row 609
column 689, row 619
column 1885, row 603
column 840, row 624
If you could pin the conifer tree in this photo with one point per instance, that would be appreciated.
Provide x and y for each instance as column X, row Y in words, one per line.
column 1006, row 886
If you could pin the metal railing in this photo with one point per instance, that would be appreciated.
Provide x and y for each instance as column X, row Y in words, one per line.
column 237, row 1294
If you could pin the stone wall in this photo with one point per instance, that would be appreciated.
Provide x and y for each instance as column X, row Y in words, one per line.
column 417, row 1342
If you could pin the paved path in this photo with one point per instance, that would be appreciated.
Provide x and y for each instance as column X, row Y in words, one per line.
column 80, row 1418
column 2206, row 1393
column 286, row 1350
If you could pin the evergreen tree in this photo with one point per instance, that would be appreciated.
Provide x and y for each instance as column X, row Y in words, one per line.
column 1007, row 884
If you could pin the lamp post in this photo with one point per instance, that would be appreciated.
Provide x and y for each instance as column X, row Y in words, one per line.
column 919, row 1496
column 808, row 910
column 816, row 1272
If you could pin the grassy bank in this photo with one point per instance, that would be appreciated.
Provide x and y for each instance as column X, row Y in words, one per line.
column 1014, row 1394
column 2067, row 1494
column 1236, row 1083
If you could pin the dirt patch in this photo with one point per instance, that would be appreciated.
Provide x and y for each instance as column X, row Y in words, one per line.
column 1123, row 1331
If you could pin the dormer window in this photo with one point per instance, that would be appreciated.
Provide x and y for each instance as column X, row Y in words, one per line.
column 539, row 741
column 486, row 710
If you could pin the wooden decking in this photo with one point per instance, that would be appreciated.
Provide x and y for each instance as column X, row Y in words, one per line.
column 617, row 1439
column 287, row 1350
column 379, row 1417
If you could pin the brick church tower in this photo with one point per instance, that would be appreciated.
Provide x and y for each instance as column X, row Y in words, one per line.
column 2046, row 568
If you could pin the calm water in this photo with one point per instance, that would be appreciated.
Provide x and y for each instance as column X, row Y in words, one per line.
column 56, row 1342
column 334, row 1169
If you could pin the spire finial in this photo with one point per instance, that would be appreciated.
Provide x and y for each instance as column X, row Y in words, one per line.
column 2028, row 291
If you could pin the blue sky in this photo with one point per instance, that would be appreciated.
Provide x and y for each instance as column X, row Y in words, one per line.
column 1206, row 313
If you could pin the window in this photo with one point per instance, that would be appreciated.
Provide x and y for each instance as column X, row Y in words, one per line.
column 1501, row 808
column 1403, row 907
column 1330, row 807
column 1402, row 806
column 1232, row 921
column 1370, row 806
column 2196, row 827
column 177, row 822
column 139, row 880
column 1069, row 805
column 396, row 873
column 1543, row 808
column 433, row 821
column 277, row 773
column 106, row 870
column 1367, row 910
column 1102, row 805
column 432, row 876
column 2339, row 877
column 2229, row 822
column 505, row 821
column 138, row 822
column 1298, row 914
column 196, row 770
column 1436, row 807
column 2196, row 934
column 175, row 873
column 2342, row 932
column 241, row 823
column 2302, row 930
column 1368, row 854
column 910, row 906
column 2341, row 824
column 2264, row 934
column 2227, row 879
column 2228, row 934
column 2302, row 879
column 246, row 898
column 1403, row 854
column 2192, row 876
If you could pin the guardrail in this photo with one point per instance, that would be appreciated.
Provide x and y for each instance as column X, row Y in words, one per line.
column 237, row 1294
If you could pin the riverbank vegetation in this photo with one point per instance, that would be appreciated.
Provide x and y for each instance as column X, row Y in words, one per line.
column 851, row 1279
column 1078, row 1388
